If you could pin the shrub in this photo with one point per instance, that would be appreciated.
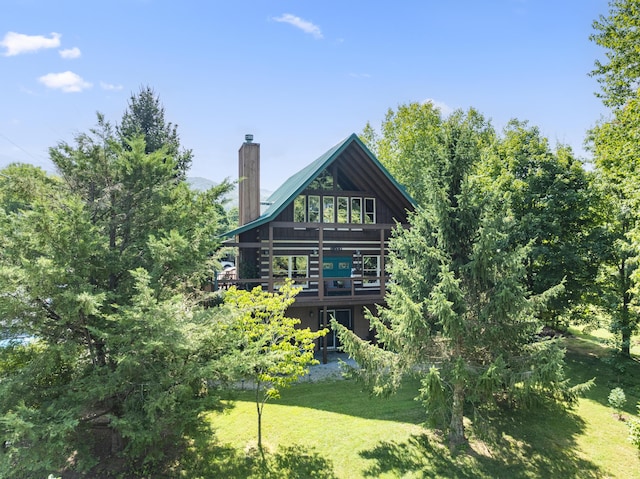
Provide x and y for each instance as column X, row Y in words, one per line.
column 617, row 400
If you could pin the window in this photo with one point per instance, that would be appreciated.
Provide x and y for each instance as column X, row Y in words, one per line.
column 328, row 209
column 369, row 211
column 314, row 209
column 290, row 267
column 300, row 209
column 356, row 210
column 370, row 271
column 324, row 181
column 343, row 209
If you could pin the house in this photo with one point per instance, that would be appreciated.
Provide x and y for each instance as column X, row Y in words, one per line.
column 327, row 227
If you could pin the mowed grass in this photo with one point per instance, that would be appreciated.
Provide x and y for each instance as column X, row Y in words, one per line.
column 333, row 429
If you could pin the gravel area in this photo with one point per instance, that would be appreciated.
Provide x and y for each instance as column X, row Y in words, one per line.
column 331, row 370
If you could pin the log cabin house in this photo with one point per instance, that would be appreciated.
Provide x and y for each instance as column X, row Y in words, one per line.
column 327, row 228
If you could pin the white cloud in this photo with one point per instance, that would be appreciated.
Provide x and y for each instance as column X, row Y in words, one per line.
column 67, row 81
column 70, row 53
column 17, row 43
column 298, row 22
column 110, row 86
column 359, row 75
column 443, row 107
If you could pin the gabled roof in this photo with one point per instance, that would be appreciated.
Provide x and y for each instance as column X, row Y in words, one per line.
column 291, row 188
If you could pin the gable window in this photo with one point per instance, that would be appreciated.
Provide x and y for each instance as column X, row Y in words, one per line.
column 343, row 209
column 334, row 209
column 370, row 271
column 356, row 210
column 324, row 181
column 369, row 211
column 328, row 209
column 300, row 209
column 314, row 209
column 290, row 267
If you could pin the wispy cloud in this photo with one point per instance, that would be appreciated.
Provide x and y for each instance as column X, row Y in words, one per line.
column 70, row 53
column 18, row 43
column 110, row 86
column 68, row 82
column 443, row 107
column 300, row 23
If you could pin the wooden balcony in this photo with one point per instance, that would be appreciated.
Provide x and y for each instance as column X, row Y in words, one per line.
column 316, row 291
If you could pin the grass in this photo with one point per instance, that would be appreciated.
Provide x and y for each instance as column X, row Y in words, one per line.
column 334, row 430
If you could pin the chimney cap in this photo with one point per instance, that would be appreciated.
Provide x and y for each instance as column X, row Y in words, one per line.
column 248, row 138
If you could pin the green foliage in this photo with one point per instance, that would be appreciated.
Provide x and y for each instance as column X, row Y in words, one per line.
column 458, row 312
column 617, row 400
column 619, row 34
column 274, row 352
column 145, row 116
column 556, row 215
column 102, row 267
column 634, row 430
column 613, row 144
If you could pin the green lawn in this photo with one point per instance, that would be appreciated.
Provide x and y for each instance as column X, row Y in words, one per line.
column 333, row 429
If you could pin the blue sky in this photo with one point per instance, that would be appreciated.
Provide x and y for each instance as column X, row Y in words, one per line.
column 299, row 75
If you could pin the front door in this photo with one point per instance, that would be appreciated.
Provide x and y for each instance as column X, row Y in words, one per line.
column 343, row 317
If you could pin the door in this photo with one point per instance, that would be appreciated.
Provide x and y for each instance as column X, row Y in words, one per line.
column 343, row 317
column 335, row 268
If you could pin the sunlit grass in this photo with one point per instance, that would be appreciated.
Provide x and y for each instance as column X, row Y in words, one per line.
column 340, row 429
column 603, row 337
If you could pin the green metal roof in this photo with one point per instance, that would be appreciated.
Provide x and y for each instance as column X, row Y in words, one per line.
column 291, row 188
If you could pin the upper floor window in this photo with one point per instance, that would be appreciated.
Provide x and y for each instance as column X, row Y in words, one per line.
column 324, row 181
column 300, row 209
column 314, row 209
column 342, row 210
column 328, row 209
column 334, row 209
column 369, row 211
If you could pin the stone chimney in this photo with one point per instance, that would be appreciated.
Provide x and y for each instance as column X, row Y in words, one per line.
column 249, row 177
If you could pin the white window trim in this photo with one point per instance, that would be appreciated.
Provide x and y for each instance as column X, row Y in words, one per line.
column 371, row 283
column 290, row 269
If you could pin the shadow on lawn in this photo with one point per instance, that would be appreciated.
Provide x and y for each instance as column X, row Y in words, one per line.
column 294, row 462
column 518, row 447
column 585, row 360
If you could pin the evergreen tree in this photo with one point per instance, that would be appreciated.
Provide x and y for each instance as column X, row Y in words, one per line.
column 458, row 312
column 102, row 269
column 145, row 116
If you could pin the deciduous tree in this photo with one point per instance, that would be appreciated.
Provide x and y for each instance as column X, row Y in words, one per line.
column 556, row 213
column 615, row 144
column 619, row 34
column 274, row 351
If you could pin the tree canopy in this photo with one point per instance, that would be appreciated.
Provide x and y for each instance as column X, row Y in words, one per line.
column 619, row 34
column 458, row 314
column 102, row 269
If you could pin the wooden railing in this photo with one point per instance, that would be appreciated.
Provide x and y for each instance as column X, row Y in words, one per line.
column 315, row 288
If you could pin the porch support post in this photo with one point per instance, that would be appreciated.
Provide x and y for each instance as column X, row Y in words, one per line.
column 271, row 286
column 383, row 282
column 324, row 338
column 320, row 262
